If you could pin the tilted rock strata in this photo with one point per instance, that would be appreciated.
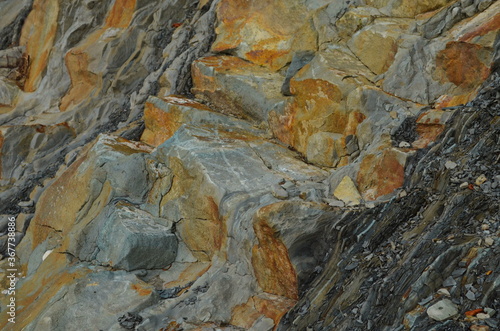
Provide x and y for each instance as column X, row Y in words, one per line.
column 249, row 207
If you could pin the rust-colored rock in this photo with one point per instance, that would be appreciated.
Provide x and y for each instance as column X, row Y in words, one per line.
column 83, row 81
column 314, row 108
column 255, row 31
column 463, row 64
column 381, row 174
column 161, row 125
column 271, row 263
column 38, row 35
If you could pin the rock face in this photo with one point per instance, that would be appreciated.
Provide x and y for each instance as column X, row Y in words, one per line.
column 250, row 165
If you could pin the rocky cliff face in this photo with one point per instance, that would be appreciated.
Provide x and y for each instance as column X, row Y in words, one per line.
column 251, row 165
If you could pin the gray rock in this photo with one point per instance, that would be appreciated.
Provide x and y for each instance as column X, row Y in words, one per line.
column 490, row 311
column 450, row 281
column 118, row 291
column 279, row 192
column 130, row 239
column 470, row 295
column 299, row 60
column 450, row 165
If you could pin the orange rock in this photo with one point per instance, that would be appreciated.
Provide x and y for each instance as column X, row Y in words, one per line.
column 38, row 35
column 120, row 14
column 83, row 80
column 204, row 235
column 463, row 64
column 453, row 100
column 314, row 108
column 236, row 86
column 192, row 272
column 271, row 306
column 427, row 133
column 473, row 312
column 140, row 289
column 161, row 124
column 381, row 174
column 271, row 263
column 488, row 26
column 253, row 30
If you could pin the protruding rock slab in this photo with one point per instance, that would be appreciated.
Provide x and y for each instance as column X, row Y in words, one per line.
column 255, row 32
column 163, row 117
column 237, row 87
column 442, row 310
column 381, row 174
column 130, row 239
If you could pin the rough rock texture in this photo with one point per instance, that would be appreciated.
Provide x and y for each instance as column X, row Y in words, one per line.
column 251, row 165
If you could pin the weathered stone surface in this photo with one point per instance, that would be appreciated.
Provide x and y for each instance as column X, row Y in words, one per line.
column 38, row 36
column 326, row 149
column 347, row 192
column 225, row 82
column 442, row 310
column 118, row 291
column 225, row 214
column 377, row 44
column 163, row 117
column 381, row 174
column 253, row 31
column 13, row 15
column 129, row 239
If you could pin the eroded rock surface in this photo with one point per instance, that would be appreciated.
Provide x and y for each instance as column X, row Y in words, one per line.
column 251, row 165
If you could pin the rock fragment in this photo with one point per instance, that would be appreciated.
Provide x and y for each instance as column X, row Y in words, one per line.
column 347, row 192
column 442, row 310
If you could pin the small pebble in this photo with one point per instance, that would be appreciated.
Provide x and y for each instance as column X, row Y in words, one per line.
column 489, row 241
column 442, row 310
column 370, row 205
column 449, row 282
column 29, row 203
column 464, row 185
column 490, row 311
column 470, row 295
column 404, row 144
column 481, row 179
column 482, row 316
column 450, row 165
column 444, row 291
column 458, row 272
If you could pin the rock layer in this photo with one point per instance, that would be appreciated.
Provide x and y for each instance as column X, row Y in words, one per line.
column 256, row 165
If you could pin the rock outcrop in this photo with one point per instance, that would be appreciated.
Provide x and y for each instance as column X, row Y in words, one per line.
column 250, row 165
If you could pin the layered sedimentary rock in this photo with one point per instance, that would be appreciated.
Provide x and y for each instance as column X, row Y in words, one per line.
column 251, row 165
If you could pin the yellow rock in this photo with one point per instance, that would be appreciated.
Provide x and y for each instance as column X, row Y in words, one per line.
column 38, row 35
column 255, row 31
column 347, row 192
column 377, row 44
